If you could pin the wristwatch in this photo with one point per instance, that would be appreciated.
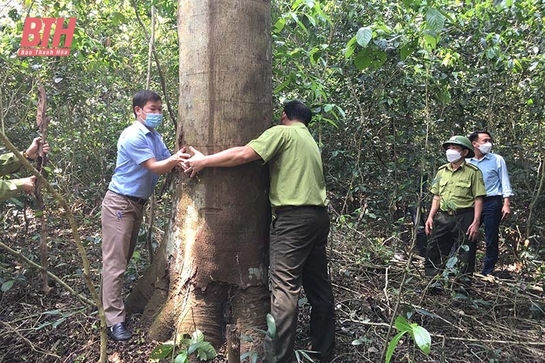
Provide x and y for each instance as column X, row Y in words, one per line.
column 27, row 157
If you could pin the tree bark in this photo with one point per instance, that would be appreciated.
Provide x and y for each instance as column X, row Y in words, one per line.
column 211, row 270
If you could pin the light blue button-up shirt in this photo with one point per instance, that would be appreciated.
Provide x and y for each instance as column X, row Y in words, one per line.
column 136, row 145
column 496, row 179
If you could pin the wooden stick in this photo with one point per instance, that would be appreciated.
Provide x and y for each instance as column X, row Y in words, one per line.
column 42, row 121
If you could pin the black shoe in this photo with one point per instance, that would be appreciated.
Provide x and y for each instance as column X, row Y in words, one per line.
column 119, row 332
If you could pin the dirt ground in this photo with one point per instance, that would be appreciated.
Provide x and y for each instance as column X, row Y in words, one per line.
column 500, row 321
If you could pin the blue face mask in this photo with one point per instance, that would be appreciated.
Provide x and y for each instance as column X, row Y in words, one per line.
column 153, row 119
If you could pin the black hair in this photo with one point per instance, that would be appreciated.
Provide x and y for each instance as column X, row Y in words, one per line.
column 475, row 135
column 140, row 99
column 297, row 110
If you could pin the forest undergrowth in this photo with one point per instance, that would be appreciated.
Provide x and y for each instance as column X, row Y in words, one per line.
column 501, row 320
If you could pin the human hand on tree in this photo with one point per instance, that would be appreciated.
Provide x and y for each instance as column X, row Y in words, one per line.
column 28, row 184
column 195, row 163
column 180, row 157
column 32, row 151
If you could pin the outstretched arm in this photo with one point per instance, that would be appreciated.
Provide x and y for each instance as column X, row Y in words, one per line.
column 164, row 166
column 14, row 187
column 227, row 158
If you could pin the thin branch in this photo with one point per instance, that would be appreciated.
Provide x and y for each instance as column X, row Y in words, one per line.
column 158, row 64
column 32, row 346
column 152, row 198
column 19, row 256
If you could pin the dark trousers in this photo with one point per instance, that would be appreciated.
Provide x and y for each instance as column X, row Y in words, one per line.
column 449, row 235
column 421, row 238
column 298, row 240
column 491, row 218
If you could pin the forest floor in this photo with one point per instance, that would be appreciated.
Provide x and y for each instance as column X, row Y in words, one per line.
column 501, row 320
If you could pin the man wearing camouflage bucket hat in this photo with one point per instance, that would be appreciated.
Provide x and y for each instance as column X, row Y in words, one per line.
column 454, row 218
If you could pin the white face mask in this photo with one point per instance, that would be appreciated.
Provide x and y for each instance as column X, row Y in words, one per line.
column 485, row 148
column 453, row 155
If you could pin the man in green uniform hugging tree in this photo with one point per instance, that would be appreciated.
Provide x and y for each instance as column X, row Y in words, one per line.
column 299, row 230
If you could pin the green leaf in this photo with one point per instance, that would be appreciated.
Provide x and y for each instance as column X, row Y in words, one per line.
column 359, row 341
column 364, row 36
column 369, row 59
column 311, row 19
column 314, row 55
column 430, row 41
column 162, row 351
column 422, row 338
column 7, row 285
column 490, row 53
column 16, row 201
column 197, row 336
column 279, row 25
column 435, row 20
column 350, row 47
column 117, row 18
column 181, row 357
column 451, row 263
column 271, row 326
column 406, row 50
column 205, row 350
column 402, row 324
column 282, row 85
column 392, row 346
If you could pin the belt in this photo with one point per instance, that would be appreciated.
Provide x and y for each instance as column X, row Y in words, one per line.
column 282, row 209
column 457, row 211
column 140, row 201
column 493, row 197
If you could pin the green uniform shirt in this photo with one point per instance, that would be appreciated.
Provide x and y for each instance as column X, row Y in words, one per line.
column 459, row 188
column 295, row 165
column 9, row 164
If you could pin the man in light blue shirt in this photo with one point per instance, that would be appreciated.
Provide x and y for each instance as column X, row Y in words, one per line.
column 498, row 189
column 141, row 157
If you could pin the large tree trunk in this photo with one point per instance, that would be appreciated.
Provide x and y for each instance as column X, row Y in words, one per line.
column 210, row 270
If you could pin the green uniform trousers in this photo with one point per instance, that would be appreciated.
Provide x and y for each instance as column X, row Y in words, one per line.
column 448, row 235
column 298, row 240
